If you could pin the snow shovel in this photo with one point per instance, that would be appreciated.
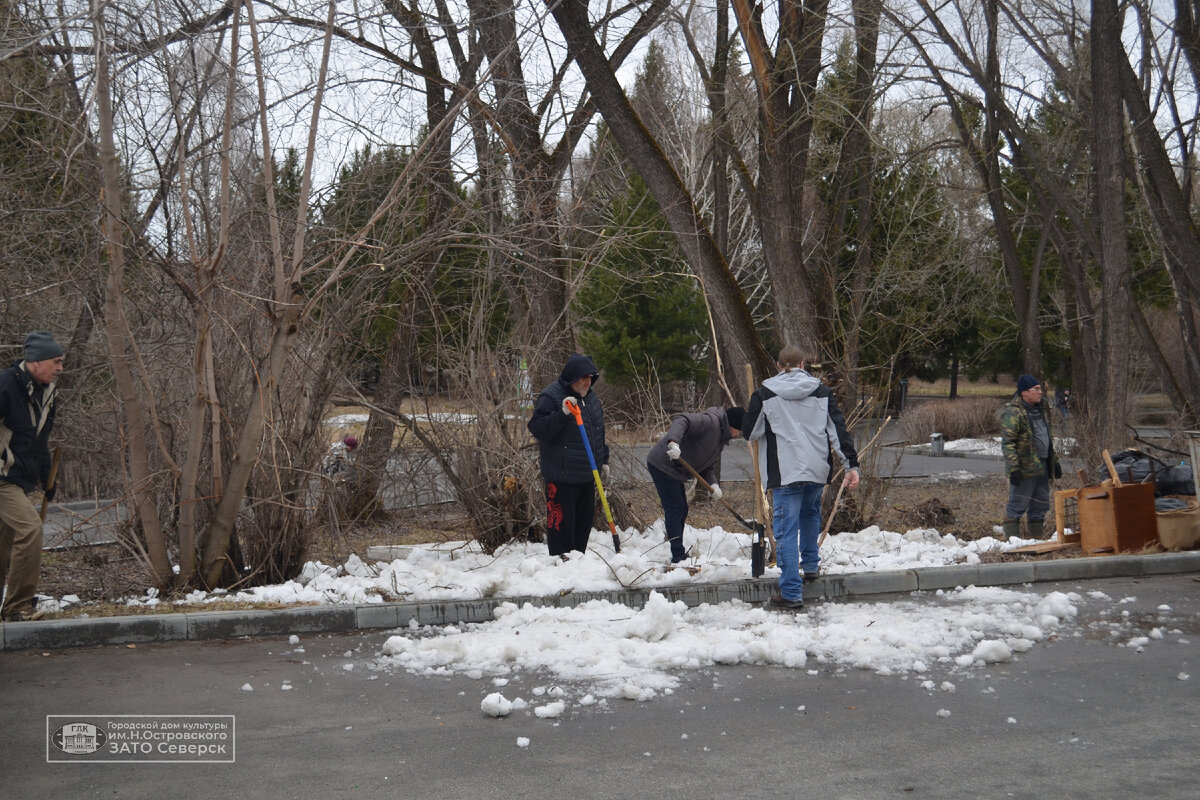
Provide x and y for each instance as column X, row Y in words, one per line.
column 587, row 446
column 757, row 541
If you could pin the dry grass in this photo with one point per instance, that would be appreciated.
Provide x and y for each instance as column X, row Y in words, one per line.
column 1002, row 388
column 967, row 418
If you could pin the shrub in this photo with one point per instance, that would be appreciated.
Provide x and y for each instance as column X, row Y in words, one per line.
column 964, row 418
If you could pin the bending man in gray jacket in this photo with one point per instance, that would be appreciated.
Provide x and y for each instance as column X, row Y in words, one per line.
column 699, row 440
column 800, row 429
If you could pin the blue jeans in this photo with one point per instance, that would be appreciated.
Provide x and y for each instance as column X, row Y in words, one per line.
column 797, row 521
column 673, row 496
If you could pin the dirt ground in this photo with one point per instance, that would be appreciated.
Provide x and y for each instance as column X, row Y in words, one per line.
column 967, row 509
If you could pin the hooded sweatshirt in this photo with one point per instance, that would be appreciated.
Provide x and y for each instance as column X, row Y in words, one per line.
column 701, row 438
column 798, row 420
column 561, row 452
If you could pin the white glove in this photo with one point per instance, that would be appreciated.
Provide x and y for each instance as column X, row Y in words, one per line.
column 567, row 405
column 716, row 491
column 672, row 450
column 605, row 473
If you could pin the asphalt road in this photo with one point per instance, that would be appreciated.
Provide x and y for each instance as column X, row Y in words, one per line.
column 890, row 462
column 1083, row 716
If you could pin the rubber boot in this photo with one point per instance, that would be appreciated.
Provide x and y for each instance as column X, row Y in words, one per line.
column 1036, row 527
column 1012, row 529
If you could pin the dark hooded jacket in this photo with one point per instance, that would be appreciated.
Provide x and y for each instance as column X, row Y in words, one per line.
column 26, row 419
column 701, row 438
column 560, row 446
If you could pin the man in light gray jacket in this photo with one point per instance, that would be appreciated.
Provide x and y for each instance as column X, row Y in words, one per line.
column 800, row 429
column 699, row 440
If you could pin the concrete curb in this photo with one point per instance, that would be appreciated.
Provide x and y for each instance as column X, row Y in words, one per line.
column 207, row 625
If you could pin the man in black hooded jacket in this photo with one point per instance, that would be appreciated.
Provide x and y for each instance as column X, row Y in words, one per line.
column 570, row 487
column 26, row 419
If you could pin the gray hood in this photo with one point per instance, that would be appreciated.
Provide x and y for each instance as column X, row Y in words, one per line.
column 794, row 385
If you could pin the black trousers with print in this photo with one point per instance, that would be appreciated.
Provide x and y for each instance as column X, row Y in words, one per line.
column 570, row 510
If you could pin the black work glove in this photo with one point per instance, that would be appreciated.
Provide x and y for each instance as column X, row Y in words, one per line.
column 1057, row 471
column 48, row 495
column 1014, row 478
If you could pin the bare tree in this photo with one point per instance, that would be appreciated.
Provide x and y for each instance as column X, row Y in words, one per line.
column 1108, row 153
column 732, row 321
column 786, row 78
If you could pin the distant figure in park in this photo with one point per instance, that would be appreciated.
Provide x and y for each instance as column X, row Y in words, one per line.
column 338, row 457
column 570, row 487
column 698, row 439
column 26, row 418
column 802, row 429
column 1026, row 438
column 1062, row 399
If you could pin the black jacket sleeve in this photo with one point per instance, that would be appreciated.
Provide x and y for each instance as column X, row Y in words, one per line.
column 751, row 416
column 547, row 420
column 845, row 440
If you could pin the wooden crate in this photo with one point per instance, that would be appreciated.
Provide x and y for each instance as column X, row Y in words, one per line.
column 1066, row 515
column 1116, row 519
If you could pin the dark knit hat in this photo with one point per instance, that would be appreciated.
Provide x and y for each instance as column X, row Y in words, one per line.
column 1027, row 382
column 40, row 345
column 735, row 416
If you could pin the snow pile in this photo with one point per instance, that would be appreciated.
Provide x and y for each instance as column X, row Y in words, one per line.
column 983, row 447
column 873, row 549
column 524, row 569
column 496, row 705
column 609, row 650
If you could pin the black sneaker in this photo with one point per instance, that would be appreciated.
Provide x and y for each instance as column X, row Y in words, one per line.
column 812, row 576
column 779, row 601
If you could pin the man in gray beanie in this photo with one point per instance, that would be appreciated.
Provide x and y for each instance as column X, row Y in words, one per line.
column 26, row 418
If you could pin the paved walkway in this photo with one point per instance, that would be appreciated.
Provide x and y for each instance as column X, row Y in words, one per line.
column 200, row 625
column 1085, row 714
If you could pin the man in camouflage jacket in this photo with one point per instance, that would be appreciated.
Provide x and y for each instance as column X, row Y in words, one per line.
column 1027, row 440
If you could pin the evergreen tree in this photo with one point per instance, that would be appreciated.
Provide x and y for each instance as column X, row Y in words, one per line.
column 647, row 319
column 641, row 312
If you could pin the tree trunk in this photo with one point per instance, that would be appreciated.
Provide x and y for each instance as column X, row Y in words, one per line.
column 538, row 258
column 1169, row 209
column 1108, row 154
column 859, row 164
column 737, row 341
column 285, row 313
column 786, row 83
column 1024, row 293
column 112, row 228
